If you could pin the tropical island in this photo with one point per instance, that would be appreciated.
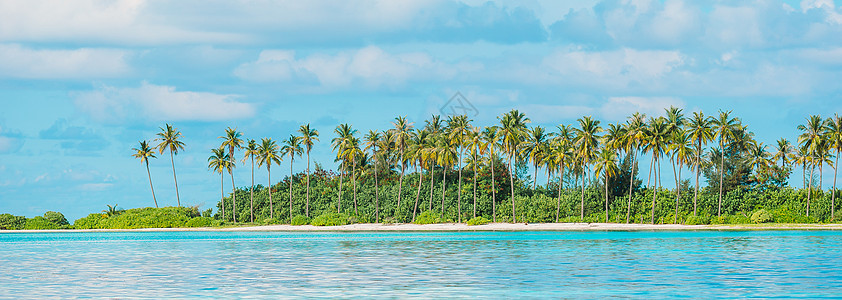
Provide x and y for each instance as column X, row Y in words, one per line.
column 451, row 171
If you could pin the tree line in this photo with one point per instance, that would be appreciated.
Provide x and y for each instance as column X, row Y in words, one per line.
column 577, row 158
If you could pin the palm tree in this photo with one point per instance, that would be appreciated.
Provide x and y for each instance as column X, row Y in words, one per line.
column 561, row 154
column 232, row 140
column 344, row 134
column 758, row 158
column 352, row 154
column 291, row 147
column 403, row 129
column 833, row 131
column 458, row 127
column 813, row 140
column 723, row 127
column 634, row 139
column 606, row 163
column 656, row 142
column 169, row 138
column 417, row 156
column 308, row 137
column 491, row 141
column 587, row 141
column 371, row 139
column 534, row 149
column 268, row 155
column 784, row 152
column 682, row 153
column 220, row 162
column 445, row 157
column 252, row 151
column 144, row 152
column 513, row 124
column 475, row 142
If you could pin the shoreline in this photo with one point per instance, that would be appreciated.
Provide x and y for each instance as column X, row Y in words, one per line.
column 462, row 227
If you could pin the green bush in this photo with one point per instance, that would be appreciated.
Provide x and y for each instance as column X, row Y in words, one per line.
column 201, row 222
column 478, row 221
column 761, row 216
column 330, row 219
column 697, row 220
column 165, row 217
column 56, row 217
column 269, row 221
column 40, row 223
column 300, row 220
column 427, row 217
column 10, row 222
column 92, row 221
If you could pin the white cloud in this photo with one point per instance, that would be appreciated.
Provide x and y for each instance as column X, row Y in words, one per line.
column 616, row 68
column 10, row 140
column 21, row 62
column 370, row 66
column 151, row 102
column 620, row 108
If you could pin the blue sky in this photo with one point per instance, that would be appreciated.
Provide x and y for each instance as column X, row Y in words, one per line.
column 82, row 82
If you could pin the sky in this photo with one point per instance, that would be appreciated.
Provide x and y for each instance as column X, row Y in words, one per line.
column 82, row 82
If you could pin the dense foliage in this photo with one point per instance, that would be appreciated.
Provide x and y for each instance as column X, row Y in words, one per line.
column 148, row 217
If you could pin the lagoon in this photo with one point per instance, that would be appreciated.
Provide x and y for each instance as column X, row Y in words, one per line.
column 532, row 264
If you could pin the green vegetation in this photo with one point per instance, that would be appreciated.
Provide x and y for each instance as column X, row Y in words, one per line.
column 300, row 220
column 478, row 221
column 165, row 217
column 331, row 219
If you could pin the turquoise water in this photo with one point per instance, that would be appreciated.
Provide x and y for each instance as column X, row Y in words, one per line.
column 705, row 264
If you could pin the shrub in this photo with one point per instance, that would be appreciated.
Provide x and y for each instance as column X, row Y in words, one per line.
column 208, row 213
column 92, row 221
column 697, row 220
column 165, row 217
column 40, row 223
column 330, row 219
column 478, row 221
column 269, row 221
column 10, row 222
column 300, row 220
column 761, row 216
column 201, row 222
column 427, row 217
column 56, row 217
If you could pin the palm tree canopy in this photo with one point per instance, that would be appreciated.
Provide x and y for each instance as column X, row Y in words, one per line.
column 308, row 136
column 219, row 161
column 144, row 152
column 268, row 153
column 606, row 163
column 292, row 147
column 587, row 138
column 252, row 150
column 169, row 139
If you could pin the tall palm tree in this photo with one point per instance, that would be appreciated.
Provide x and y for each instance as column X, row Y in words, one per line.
column 308, row 137
column 561, row 153
column 352, row 154
column 252, row 151
column 220, row 162
column 344, row 134
column 759, row 158
column 783, row 153
column 657, row 143
column 491, row 141
column 459, row 126
column 833, row 131
column 144, row 152
column 268, row 155
column 534, row 149
column 170, row 140
column 813, row 140
column 475, row 142
column 606, row 163
column 445, row 157
column 700, row 129
column 635, row 127
column 232, row 140
column 724, row 127
column 403, row 129
column 417, row 156
column 587, row 142
column 291, row 148
column 512, row 127
column 371, row 139
column 682, row 153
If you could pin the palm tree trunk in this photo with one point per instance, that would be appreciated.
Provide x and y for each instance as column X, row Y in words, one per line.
column 172, row 161
column 354, row 184
column 400, row 185
column 459, row 197
column 631, row 181
column 721, row 176
column 271, row 206
column 443, row 189
column 810, row 189
column 156, row 199
column 493, row 189
column 222, row 191
column 307, row 205
column 251, row 191
column 678, row 194
column 698, row 168
column 606, row 196
column 233, row 197
column 655, row 187
column 512, row 178
column 376, row 188
column 582, row 208
column 290, row 189
column 432, row 176
column 558, row 202
column 832, row 196
column 341, row 175
column 418, row 193
column 475, row 185
column 535, row 178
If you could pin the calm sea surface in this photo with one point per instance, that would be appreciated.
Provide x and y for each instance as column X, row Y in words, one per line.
column 705, row 264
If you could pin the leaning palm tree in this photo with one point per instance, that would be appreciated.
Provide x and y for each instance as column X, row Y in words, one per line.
column 144, row 153
column 169, row 138
column 352, row 154
column 587, row 142
column 606, row 163
column 490, row 142
column 458, row 127
column 371, row 139
column 402, row 130
column 657, row 143
column 232, row 140
column 813, row 140
column 635, row 127
column 416, row 155
column 268, row 155
column 561, row 154
column 220, row 162
column 682, row 153
column 344, row 134
column 700, row 129
column 291, row 147
column 252, row 151
column 446, row 158
column 833, row 131
column 308, row 137
column 724, row 127
column 512, row 127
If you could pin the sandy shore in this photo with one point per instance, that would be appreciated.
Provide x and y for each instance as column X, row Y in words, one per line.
column 464, row 227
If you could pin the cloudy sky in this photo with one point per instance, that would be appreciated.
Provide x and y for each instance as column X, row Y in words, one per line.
column 82, row 82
